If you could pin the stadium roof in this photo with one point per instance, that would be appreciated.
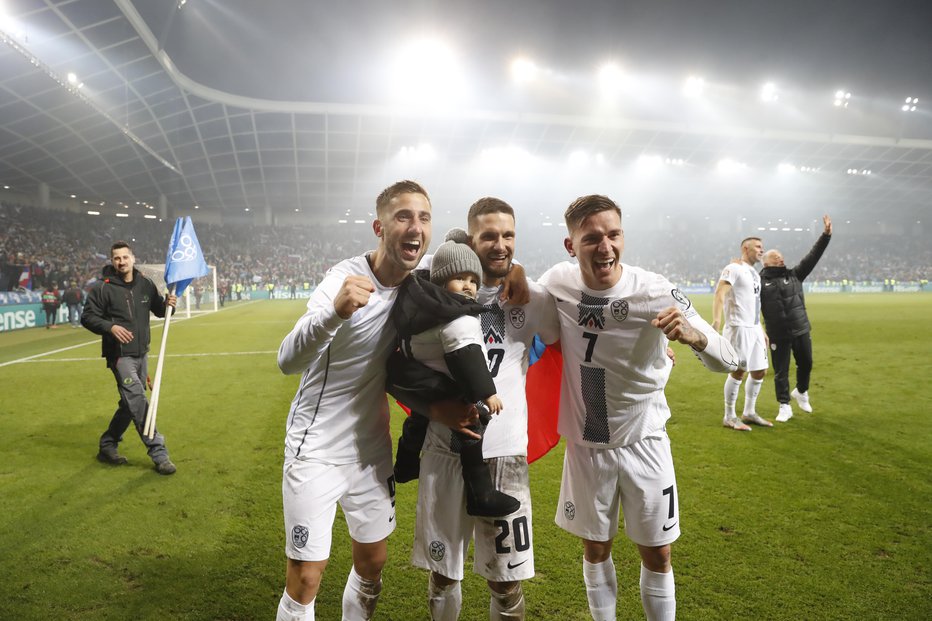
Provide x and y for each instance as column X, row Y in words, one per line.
column 314, row 106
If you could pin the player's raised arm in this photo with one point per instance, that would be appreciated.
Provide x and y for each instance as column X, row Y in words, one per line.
column 712, row 349
column 329, row 306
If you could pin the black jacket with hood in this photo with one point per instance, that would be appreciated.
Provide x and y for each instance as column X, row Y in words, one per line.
column 781, row 295
column 422, row 305
column 111, row 301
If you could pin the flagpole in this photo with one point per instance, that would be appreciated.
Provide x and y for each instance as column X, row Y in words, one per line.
column 149, row 429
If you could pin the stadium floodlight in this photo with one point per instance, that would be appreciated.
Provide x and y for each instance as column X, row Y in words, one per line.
column 649, row 162
column 910, row 105
column 93, row 213
column 6, row 187
column 786, row 168
column 523, row 70
column 729, row 166
column 422, row 153
column 768, row 92
column 121, row 215
column 610, row 78
column 341, row 221
column 579, row 159
column 359, row 221
column 150, row 216
column 842, row 97
column 246, row 209
column 674, row 161
column 693, row 87
column 426, row 72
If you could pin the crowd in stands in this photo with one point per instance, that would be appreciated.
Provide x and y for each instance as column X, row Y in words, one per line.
column 60, row 247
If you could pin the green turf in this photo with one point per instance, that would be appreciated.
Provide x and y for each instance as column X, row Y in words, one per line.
column 825, row 517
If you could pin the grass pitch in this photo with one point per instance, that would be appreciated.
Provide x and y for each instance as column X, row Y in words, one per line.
column 825, row 517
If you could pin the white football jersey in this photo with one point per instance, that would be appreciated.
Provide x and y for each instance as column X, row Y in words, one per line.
column 507, row 333
column 615, row 364
column 340, row 414
column 742, row 303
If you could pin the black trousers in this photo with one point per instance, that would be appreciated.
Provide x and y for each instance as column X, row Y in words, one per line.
column 801, row 348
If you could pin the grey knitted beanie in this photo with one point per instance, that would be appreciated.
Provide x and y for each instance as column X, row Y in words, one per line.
column 452, row 258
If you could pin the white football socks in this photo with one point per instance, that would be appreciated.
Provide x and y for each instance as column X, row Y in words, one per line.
column 732, row 386
column 601, row 589
column 751, row 390
column 507, row 606
column 658, row 595
column 360, row 596
column 444, row 602
column 290, row 610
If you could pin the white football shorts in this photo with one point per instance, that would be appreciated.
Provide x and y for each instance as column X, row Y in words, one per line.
column 504, row 549
column 311, row 491
column 639, row 479
column 749, row 344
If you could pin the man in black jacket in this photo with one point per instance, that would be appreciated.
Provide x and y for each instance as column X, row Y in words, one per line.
column 118, row 309
column 784, row 308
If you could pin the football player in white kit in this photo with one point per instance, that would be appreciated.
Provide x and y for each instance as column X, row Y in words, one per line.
column 337, row 442
column 615, row 322
column 504, row 555
column 738, row 294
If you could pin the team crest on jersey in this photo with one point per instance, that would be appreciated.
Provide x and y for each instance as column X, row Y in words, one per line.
column 493, row 324
column 299, row 536
column 681, row 298
column 145, row 299
column 437, row 550
column 592, row 311
column 620, row 310
column 569, row 510
column 127, row 381
column 517, row 317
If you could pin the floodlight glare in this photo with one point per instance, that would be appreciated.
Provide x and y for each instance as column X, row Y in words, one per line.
column 579, row 158
column 786, row 168
column 693, row 87
column 768, row 92
column 730, row 166
column 610, row 76
column 523, row 70
column 649, row 162
column 842, row 98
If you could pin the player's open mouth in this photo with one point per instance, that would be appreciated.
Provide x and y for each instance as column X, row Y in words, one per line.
column 411, row 249
column 604, row 267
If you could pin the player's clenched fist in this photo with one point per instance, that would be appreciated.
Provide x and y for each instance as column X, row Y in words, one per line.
column 676, row 327
column 353, row 295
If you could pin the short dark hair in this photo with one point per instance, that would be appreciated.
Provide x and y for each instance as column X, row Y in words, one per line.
column 405, row 186
column 585, row 206
column 120, row 244
column 747, row 239
column 487, row 205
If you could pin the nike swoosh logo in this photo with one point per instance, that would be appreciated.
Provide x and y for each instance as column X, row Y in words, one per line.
column 392, row 519
column 510, row 566
column 666, row 528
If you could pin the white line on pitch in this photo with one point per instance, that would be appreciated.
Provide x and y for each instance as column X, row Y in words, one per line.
column 156, row 321
column 219, row 353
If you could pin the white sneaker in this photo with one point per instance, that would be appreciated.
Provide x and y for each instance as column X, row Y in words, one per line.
column 802, row 399
column 756, row 419
column 734, row 423
column 785, row 414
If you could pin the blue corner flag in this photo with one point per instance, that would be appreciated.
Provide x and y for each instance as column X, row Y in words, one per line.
column 184, row 261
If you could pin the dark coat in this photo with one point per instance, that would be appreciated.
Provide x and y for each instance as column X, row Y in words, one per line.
column 112, row 301
column 422, row 305
column 781, row 295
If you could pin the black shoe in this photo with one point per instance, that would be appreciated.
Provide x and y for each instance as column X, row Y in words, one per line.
column 165, row 467
column 490, row 503
column 113, row 459
column 482, row 499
